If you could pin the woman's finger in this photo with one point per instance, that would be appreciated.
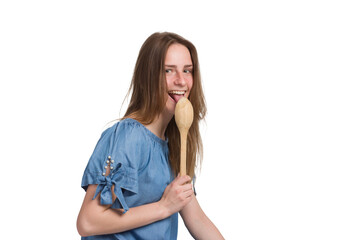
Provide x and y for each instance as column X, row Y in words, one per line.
column 183, row 179
column 187, row 187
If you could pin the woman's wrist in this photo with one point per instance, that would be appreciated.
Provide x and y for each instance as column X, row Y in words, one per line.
column 163, row 210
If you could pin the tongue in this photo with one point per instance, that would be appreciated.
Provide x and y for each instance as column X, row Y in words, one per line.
column 176, row 97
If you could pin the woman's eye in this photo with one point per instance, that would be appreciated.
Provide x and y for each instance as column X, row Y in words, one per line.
column 168, row 70
column 187, row 71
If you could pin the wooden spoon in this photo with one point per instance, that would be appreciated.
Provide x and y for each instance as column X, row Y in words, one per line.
column 184, row 115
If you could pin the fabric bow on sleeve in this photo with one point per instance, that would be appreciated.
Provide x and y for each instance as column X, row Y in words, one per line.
column 123, row 177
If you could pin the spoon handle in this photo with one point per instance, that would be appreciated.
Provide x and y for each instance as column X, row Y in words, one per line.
column 183, row 137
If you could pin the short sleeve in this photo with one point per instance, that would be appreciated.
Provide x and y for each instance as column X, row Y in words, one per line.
column 123, row 174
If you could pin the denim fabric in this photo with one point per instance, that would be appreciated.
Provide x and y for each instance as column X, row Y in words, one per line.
column 140, row 171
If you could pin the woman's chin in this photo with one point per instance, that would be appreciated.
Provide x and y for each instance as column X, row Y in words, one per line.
column 170, row 106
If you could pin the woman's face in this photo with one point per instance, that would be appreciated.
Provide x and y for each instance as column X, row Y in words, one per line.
column 178, row 73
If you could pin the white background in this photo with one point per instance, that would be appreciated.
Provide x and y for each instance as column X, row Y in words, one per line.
column 281, row 79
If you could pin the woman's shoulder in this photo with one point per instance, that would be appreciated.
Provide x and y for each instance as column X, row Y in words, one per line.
column 124, row 141
column 129, row 130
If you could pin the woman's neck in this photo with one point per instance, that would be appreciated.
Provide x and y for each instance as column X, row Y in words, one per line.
column 159, row 125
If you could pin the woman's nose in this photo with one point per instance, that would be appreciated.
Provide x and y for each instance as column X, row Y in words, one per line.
column 180, row 80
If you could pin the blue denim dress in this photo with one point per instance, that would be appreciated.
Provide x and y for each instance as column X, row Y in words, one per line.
column 140, row 171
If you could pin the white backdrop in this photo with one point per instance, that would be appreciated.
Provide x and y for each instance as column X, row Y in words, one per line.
column 281, row 80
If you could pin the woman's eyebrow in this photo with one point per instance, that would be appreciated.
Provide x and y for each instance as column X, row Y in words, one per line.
column 174, row 66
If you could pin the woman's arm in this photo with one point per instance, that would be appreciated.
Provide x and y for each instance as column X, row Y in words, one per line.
column 97, row 219
column 198, row 224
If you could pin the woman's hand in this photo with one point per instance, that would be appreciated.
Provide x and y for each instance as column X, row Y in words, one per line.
column 177, row 195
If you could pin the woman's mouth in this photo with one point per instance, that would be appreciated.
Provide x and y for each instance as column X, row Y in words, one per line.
column 176, row 95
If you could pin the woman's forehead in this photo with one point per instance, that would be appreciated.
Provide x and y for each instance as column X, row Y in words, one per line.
column 178, row 54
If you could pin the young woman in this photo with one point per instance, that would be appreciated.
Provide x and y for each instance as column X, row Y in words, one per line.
column 133, row 190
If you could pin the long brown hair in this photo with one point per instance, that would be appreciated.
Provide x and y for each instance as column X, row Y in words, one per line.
column 149, row 94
